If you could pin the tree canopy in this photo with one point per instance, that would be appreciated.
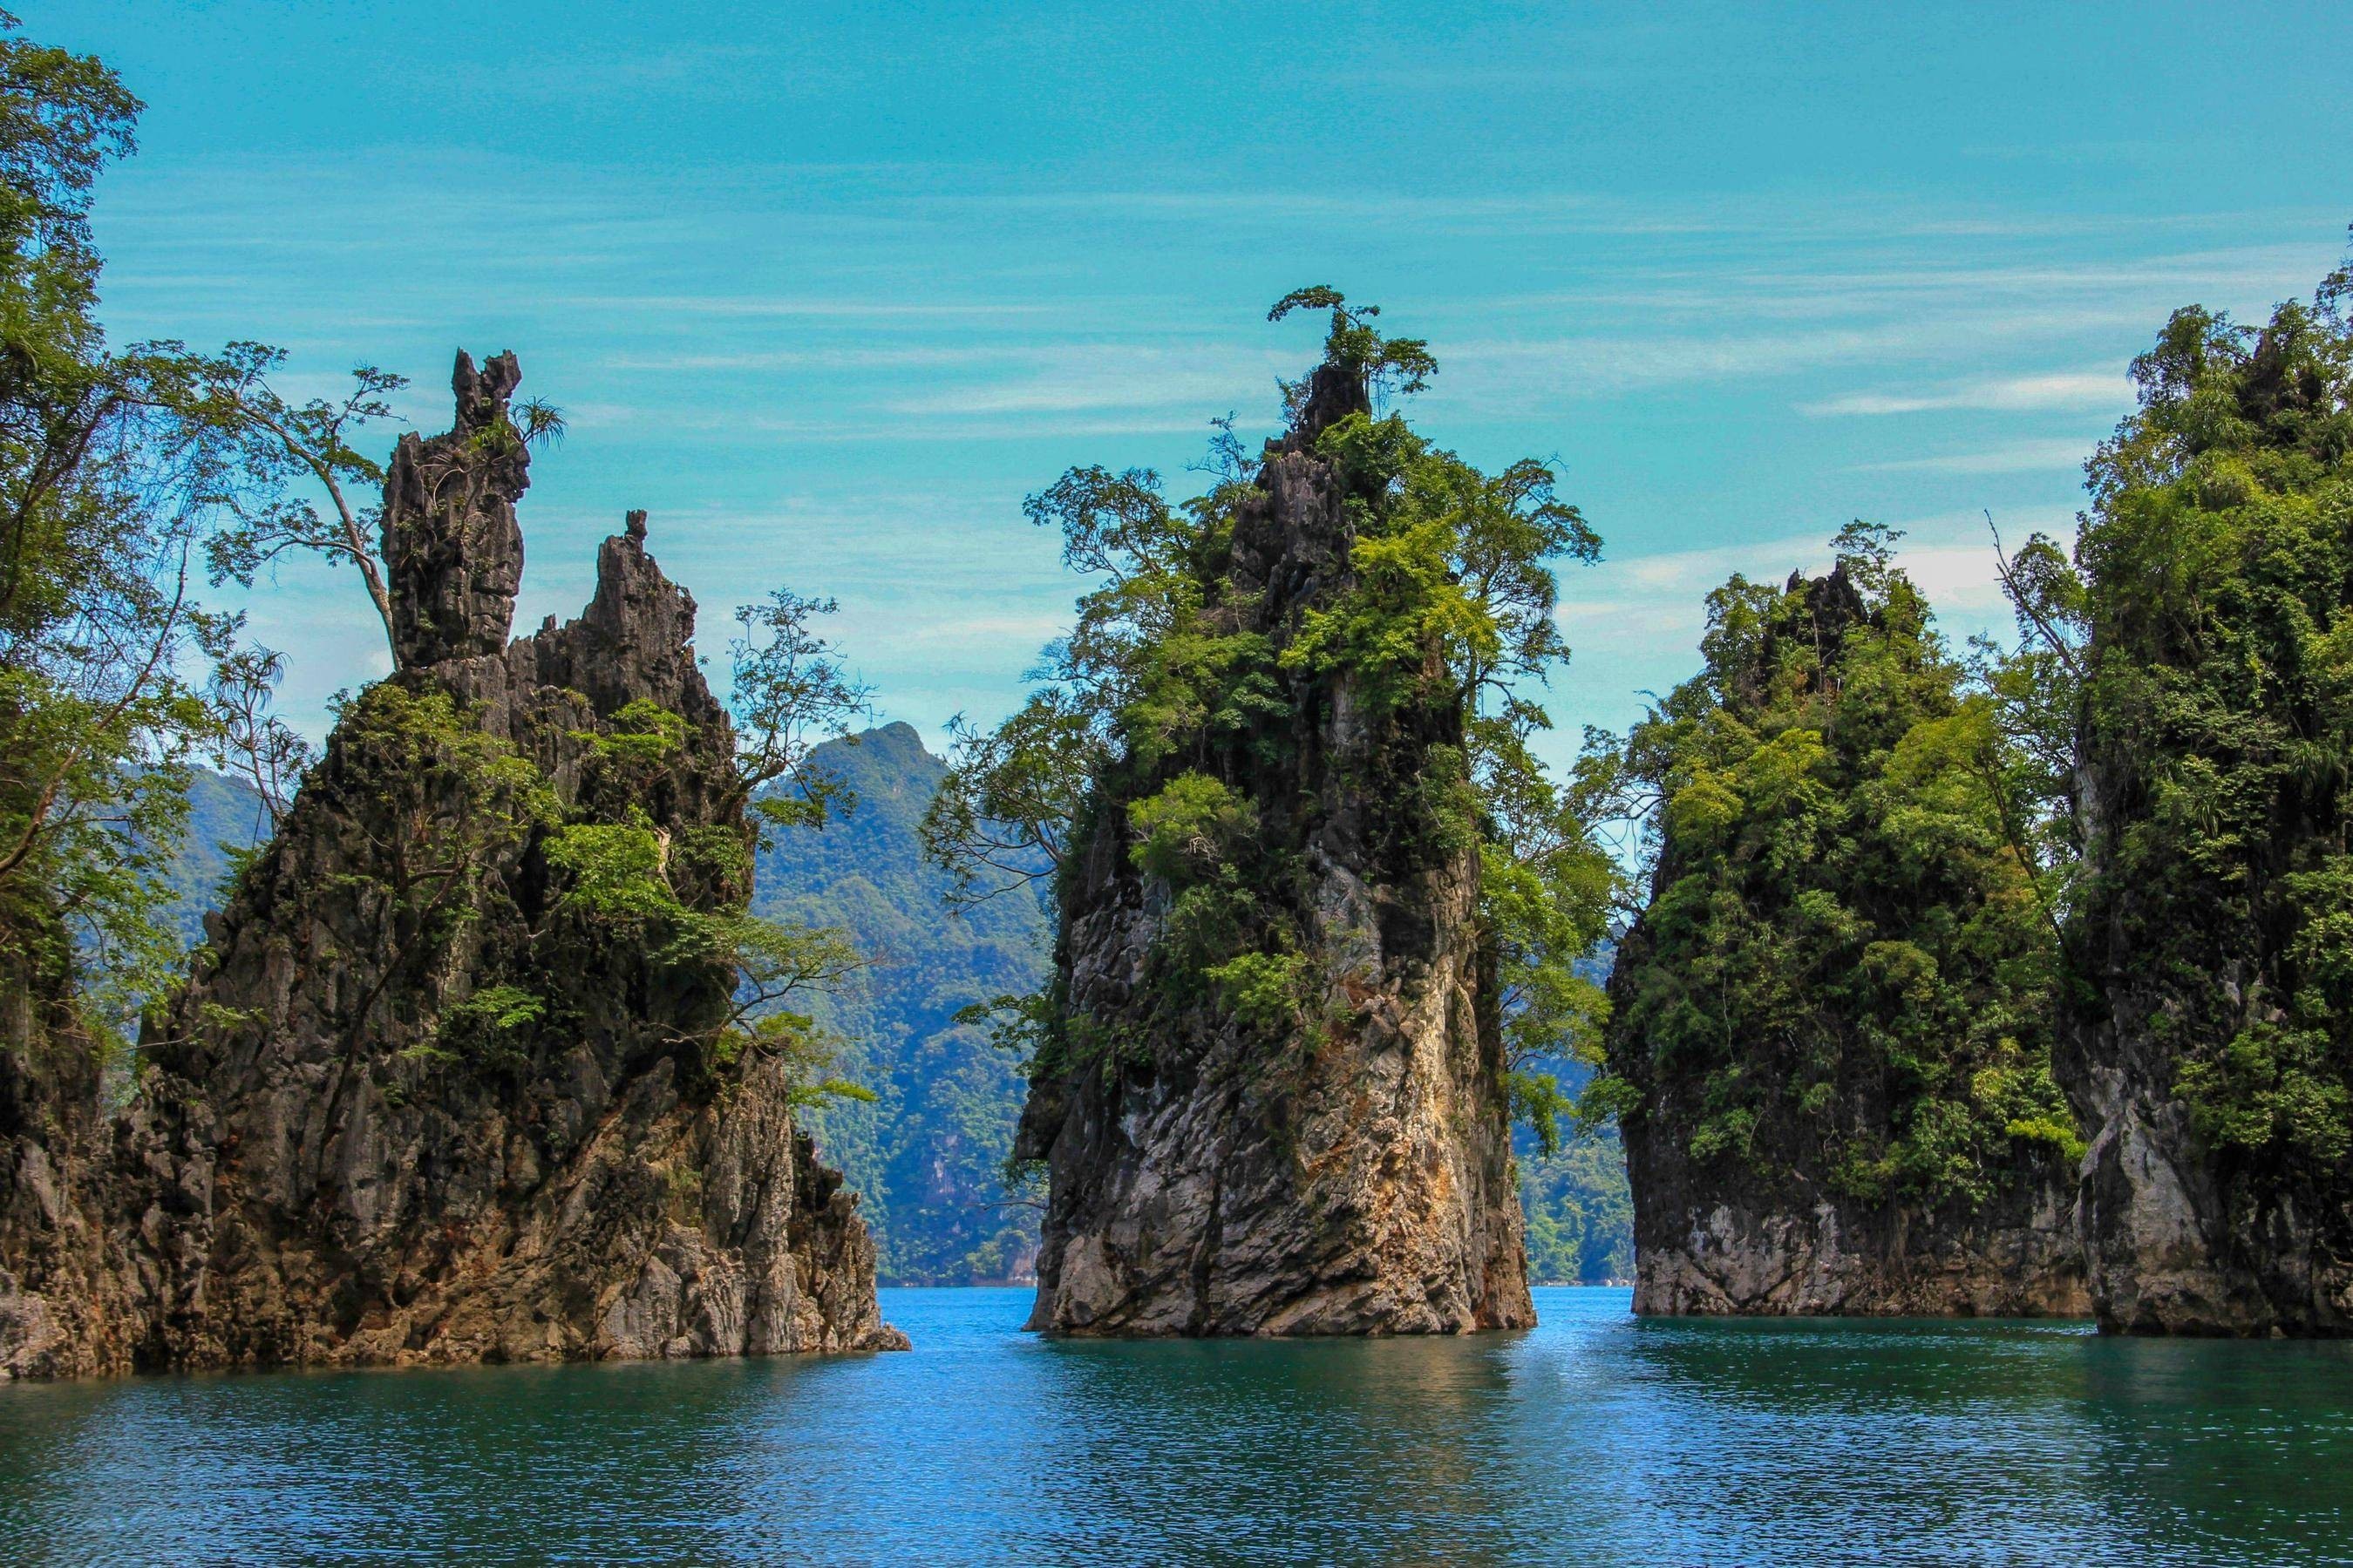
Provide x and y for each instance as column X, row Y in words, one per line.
column 106, row 486
column 2216, row 698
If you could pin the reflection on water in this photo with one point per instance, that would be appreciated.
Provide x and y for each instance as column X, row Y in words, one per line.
column 1595, row 1438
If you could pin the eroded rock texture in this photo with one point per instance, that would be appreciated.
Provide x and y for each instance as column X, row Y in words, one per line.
column 1793, row 1247
column 1348, row 1173
column 418, row 1106
column 2186, row 1234
column 2176, row 1245
column 2213, row 1048
column 63, row 1311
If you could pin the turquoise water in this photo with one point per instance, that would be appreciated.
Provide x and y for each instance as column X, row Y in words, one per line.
column 1597, row 1437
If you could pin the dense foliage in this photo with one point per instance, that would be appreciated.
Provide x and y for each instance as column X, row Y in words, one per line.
column 2217, row 699
column 1848, row 965
column 103, row 494
column 123, row 475
column 1580, row 1212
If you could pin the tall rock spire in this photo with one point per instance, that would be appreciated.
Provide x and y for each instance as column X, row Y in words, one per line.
column 452, row 546
column 1337, row 1161
column 418, row 1104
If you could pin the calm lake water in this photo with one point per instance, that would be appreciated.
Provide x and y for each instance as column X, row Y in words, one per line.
column 1597, row 1437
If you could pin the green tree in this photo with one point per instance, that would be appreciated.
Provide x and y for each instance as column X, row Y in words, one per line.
column 689, row 901
column 1355, row 346
column 789, row 694
column 105, row 491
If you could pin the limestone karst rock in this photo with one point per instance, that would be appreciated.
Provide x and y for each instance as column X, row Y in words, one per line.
column 2213, row 1054
column 452, row 546
column 416, row 1105
column 1835, row 1045
column 1346, row 1172
column 65, row 1306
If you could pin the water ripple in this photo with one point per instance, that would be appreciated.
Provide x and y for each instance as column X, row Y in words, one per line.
column 1597, row 1439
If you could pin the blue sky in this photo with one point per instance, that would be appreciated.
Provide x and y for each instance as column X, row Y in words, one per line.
column 829, row 289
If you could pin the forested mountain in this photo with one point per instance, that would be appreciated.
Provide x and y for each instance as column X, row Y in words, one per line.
column 928, row 1155
column 1580, row 1210
column 225, row 817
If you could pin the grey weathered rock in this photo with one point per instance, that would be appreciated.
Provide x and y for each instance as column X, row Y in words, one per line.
column 452, row 545
column 1706, row 1246
column 2210, row 1050
column 2181, row 1237
column 412, row 1107
column 1351, row 1175
column 63, row 1311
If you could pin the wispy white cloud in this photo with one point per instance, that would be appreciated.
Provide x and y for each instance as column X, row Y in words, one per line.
column 2016, row 458
column 831, row 310
column 2066, row 389
column 1103, row 376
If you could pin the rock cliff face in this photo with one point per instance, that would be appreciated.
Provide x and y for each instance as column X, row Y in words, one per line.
column 2192, row 961
column 1708, row 1246
column 2178, row 1241
column 420, row 1104
column 63, row 1306
column 1828, row 1055
column 1344, row 1169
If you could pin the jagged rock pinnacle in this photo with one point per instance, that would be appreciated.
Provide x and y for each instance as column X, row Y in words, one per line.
column 1334, row 392
column 452, row 548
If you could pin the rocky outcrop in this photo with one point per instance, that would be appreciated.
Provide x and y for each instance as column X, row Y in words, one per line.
column 1343, row 1168
column 452, row 545
column 1823, row 1055
column 2185, row 1233
column 424, row 1098
column 2211, row 1049
column 2177, row 1242
column 63, row 1311
column 1713, row 1243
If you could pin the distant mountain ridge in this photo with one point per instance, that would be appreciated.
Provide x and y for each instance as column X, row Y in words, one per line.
column 226, row 818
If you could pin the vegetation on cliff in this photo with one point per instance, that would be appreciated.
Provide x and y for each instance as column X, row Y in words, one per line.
column 494, row 958
column 1450, row 590
column 2203, row 643
column 2219, row 721
column 1847, row 967
column 1302, row 859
